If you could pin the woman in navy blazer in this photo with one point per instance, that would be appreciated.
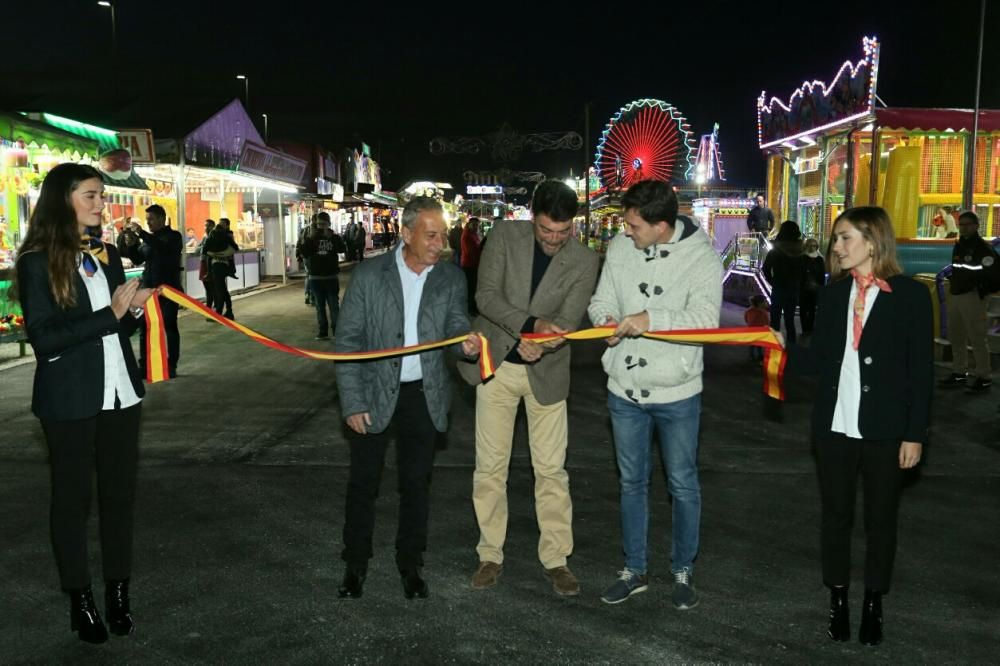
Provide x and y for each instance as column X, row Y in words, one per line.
column 79, row 312
column 873, row 352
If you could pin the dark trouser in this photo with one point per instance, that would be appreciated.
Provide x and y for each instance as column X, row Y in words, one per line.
column 783, row 302
column 838, row 459
column 169, row 310
column 807, row 309
column 220, row 273
column 472, row 280
column 209, row 293
column 415, row 437
column 109, row 442
column 326, row 296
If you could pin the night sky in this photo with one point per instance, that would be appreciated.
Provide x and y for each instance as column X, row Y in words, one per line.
column 336, row 73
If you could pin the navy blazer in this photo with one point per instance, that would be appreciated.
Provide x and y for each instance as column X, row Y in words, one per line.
column 896, row 358
column 69, row 376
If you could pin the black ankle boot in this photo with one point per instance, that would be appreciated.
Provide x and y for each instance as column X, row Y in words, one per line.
column 84, row 618
column 871, row 618
column 116, row 605
column 840, row 617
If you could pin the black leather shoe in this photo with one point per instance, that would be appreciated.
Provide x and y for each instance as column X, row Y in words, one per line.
column 414, row 585
column 353, row 585
column 871, row 619
column 84, row 618
column 840, row 617
column 116, row 605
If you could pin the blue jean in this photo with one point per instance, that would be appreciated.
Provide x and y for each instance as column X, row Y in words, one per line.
column 677, row 424
column 326, row 296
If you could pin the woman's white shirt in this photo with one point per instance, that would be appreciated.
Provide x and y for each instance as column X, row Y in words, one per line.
column 845, row 414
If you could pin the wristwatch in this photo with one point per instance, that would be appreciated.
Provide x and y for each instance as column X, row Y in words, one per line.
column 137, row 312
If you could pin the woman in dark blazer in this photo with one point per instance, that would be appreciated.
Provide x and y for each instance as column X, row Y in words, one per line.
column 873, row 352
column 79, row 313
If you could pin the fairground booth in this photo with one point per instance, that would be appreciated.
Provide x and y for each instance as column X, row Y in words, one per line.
column 829, row 147
column 222, row 169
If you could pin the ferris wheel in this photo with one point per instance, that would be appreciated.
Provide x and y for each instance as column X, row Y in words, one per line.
column 646, row 139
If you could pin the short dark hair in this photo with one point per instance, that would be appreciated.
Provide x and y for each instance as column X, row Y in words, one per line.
column 323, row 217
column 970, row 216
column 555, row 199
column 757, row 300
column 157, row 210
column 654, row 200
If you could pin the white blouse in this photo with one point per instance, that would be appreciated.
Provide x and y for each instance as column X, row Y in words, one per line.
column 845, row 414
column 116, row 378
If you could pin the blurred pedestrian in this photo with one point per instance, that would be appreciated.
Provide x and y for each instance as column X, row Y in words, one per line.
column 221, row 248
column 813, row 277
column 760, row 218
column 204, row 272
column 873, row 352
column 79, row 312
column 783, row 269
column 455, row 242
column 471, row 242
column 321, row 251
column 757, row 315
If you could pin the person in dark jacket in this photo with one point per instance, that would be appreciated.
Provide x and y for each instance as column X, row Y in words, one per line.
column 813, row 277
column 973, row 266
column 220, row 248
column 783, row 268
column 873, row 353
column 159, row 252
column 320, row 250
column 471, row 251
column 79, row 312
column 204, row 273
column 760, row 219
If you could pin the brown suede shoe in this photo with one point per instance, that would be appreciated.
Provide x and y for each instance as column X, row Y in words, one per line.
column 486, row 575
column 564, row 582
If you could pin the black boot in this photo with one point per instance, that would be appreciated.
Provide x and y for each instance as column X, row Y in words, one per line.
column 871, row 618
column 840, row 617
column 84, row 618
column 353, row 585
column 116, row 605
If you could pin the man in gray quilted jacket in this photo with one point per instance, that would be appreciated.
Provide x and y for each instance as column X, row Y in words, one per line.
column 401, row 298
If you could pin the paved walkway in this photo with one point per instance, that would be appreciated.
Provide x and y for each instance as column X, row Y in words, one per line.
column 240, row 506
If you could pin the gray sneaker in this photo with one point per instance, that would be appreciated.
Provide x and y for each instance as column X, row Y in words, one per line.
column 628, row 583
column 684, row 595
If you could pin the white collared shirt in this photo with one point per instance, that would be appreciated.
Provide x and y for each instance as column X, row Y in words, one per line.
column 116, row 378
column 413, row 290
column 845, row 414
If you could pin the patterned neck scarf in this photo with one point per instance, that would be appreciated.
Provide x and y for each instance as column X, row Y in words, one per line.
column 92, row 248
column 863, row 282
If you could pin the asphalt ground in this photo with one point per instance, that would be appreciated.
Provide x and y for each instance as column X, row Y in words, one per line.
column 240, row 507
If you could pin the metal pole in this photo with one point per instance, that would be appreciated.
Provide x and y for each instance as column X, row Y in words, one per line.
column 265, row 127
column 114, row 32
column 970, row 169
column 586, row 167
column 246, row 92
column 281, row 231
column 180, row 182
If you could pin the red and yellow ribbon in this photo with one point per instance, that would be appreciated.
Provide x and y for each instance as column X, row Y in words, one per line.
column 754, row 336
column 156, row 369
column 758, row 336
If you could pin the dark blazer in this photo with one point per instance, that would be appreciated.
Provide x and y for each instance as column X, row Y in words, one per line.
column 896, row 358
column 69, row 376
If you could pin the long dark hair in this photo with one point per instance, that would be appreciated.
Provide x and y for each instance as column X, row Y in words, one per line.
column 54, row 229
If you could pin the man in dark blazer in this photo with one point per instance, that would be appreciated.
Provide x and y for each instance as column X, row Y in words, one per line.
column 533, row 278
column 401, row 298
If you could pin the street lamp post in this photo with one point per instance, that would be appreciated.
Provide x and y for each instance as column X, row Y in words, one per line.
column 246, row 89
column 110, row 4
column 265, row 126
column 969, row 192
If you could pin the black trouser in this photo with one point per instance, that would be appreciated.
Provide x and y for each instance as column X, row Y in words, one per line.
column 807, row 309
column 838, row 459
column 109, row 442
column 169, row 310
column 415, row 437
column 326, row 298
column 783, row 302
column 209, row 292
column 220, row 273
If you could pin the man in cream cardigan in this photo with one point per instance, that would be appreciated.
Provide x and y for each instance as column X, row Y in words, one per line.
column 662, row 274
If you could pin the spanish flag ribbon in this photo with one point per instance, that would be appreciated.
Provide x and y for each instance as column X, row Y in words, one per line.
column 751, row 336
column 759, row 336
column 156, row 368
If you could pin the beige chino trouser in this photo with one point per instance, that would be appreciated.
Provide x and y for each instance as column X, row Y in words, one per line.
column 496, row 409
column 967, row 322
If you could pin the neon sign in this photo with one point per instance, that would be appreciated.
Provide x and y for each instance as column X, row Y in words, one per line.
column 817, row 106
